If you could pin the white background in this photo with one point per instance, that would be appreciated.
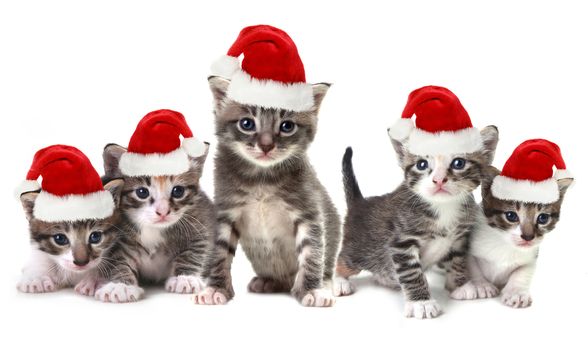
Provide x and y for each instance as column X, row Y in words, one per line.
column 85, row 74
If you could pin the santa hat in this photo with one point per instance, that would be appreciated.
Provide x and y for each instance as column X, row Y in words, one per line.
column 271, row 74
column 528, row 174
column 155, row 148
column 443, row 126
column 71, row 189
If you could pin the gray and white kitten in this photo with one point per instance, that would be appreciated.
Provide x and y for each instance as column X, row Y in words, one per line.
column 270, row 200
column 68, row 253
column 504, row 250
column 427, row 220
column 168, row 226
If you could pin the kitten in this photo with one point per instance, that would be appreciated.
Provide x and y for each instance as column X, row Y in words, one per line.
column 68, row 253
column 397, row 236
column 504, row 249
column 270, row 200
column 159, row 247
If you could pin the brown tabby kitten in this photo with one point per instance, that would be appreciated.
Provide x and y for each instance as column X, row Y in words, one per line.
column 270, row 200
column 168, row 225
column 66, row 254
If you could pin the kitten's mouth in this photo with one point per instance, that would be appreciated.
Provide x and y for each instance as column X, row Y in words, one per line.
column 440, row 191
column 264, row 156
column 524, row 244
column 75, row 268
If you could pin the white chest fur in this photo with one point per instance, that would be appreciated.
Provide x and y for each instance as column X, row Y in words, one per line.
column 448, row 215
column 154, row 264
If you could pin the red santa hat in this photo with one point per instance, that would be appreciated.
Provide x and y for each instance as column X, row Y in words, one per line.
column 271, row 74
column 155, row 148
column 71, row 188
column 442, row 125
column 528, row 174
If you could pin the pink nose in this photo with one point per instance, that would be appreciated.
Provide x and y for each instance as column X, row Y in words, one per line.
column 162, row 213
column 439, row 181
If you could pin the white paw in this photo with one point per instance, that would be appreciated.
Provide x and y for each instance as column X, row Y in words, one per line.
column 475, row 290
column 516, row 299
column 342, row 287
column 37, row 284
column 318, row 298
column 86, row 286
column 211, row 296
column 115, row 292
column 184, row 284
column 422, row 309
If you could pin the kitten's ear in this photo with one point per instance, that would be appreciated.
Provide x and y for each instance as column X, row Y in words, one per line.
column 400, row 151
column 490, row 140
column 28, row 203
column 219, row 87
column 111, row 156
column 319, row 91
column 115, row 188
column 563, row 185
column 488, row 174
column 197, row 163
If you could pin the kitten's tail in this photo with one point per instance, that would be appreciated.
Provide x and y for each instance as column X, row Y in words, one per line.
column 352, row 191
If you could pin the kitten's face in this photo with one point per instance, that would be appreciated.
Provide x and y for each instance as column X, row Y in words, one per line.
column 447, row 177
column 75, row 246
column 523, row 224
column 263, row 136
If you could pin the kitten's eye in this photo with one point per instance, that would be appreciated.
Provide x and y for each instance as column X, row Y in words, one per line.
column 60, row 239
column 247, row 124
column 458, row 163
column 142, row 192
column 287, row 127
column 511, row 216
column 95, row 237
column 178, row 191
column 542, row 219
column 422, row 164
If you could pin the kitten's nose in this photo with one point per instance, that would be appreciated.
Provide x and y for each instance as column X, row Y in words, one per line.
column 162, row 213
column 437, row 181
column 528, row 238
column 267, row 148
column 81, row 262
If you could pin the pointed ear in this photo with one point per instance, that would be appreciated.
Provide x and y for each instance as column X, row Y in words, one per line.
column 490, row 140
column 28, row 203
column 319, row 91
column 563, row 185
column 111, row 156
column 197, row 163
column 115, row 188
column 400, row 151
column 488, row 174
column 219, row 87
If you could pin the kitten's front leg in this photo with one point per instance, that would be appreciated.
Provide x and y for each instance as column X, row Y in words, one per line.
column 187, row 271
column 478, row 287
column 39, row 275
column 122, row 285
column 516, row 292
column 220, row 288
column 309, row 286
column 414, row 283
column 457, row 272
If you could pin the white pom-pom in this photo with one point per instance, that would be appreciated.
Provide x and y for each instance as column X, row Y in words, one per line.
column 194, row 147
column 26, row 186
column 225, row 66
column 563, row 174
column 401, row 129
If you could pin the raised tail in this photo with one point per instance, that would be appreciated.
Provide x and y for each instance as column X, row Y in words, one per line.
column 352, row 191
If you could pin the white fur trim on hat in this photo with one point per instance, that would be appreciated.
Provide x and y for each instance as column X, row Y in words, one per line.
column 444, row 142
column 154, row 164
column 52, row 208
column 225, row 66
column 26, row 186
column 297, row 97
column 194, row 147
column 507, row 188
column 401, row 129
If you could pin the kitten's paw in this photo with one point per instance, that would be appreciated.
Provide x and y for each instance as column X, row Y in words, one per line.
column 212, row 296
column 318, row 298
column 266, row 285
column 86, row 287
column 475, row 290
column 37, row 284
column 516, row 299
column 184, row 284
column 343, row 287
column 422, row 309
column 115, row 292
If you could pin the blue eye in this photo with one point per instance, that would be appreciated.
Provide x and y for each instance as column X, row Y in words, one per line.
column 542, row 219
column 247, row 124
column 458, row 163
column 178, row 191
column 287, row 127
column 511, row 216
column 60, row 239
column 142, row 192
column 95, row 237
column 422, row 164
